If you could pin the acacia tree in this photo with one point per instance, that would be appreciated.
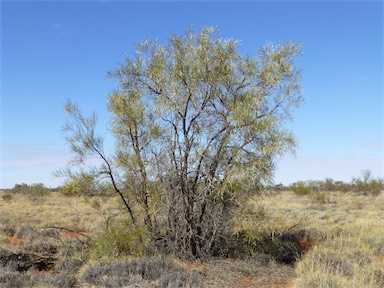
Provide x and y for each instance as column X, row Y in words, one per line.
column 198, row 127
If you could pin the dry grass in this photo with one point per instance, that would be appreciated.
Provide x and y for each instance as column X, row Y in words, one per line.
column 349, row 231
column 82, row 214
column 259, row 271
column 347, row 228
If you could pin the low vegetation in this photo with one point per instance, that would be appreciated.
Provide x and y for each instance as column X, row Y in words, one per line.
column 365, row 184
column 143, row 272
column 279, row 239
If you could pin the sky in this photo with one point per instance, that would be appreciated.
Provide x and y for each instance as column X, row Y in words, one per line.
column 59, row 50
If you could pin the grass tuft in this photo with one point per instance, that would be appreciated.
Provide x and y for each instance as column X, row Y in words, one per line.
column 119, row 240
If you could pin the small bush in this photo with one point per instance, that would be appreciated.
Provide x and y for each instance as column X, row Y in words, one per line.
column 7, row 197
column 284, row 248
column 70, row 189
column 26, row 231
column 9, row 278
column 252, row 221
column 320, row 197
column 374, row 187
column 377, row 278
column 259, row 230
column 71, row 257
column 119, row 240
column 59, row 280
column 299, row 188
column 36, row 193
column 7, row 230
column 367, row 185
column 143, row 272
column 41, row 247
column 357, row 204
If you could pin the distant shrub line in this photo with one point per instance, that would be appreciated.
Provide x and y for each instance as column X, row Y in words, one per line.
column 365, row 185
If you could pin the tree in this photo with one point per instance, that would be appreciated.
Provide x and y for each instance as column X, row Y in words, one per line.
column 367, row 184
column 198, row 127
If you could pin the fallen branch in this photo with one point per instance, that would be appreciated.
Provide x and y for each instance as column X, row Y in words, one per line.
column 70, row 230
column 24, row 261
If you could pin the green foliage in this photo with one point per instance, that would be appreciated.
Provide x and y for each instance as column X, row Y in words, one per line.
column 364, row 184
column 195, row 117
column 36, row 188
column 120, row 239
column 374, row 187
column 79, row 184
column 367, row 185
column 20, row 188
column 84, row 183
column 257, row 229
column 253, row 221
column 299, row 188
column 35, row 192
column 7, row 197
column 70, row 189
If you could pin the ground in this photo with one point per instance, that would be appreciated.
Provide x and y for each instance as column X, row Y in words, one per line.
column 343, row 230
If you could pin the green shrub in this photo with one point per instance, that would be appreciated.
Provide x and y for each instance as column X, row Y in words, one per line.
column 7, row 197
column 70, row 189
column 252, row 220
column 345, row 187
column 299, row 188
column 120, row 239
column 83, row 184
column 20, row 188
column 374, row 187
column 35, row 192
column 368, row 185
column 260, row 230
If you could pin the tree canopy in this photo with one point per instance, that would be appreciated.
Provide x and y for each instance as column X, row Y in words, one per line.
column 198, row 128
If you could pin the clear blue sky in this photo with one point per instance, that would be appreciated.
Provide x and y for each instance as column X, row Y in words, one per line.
column 51, row 51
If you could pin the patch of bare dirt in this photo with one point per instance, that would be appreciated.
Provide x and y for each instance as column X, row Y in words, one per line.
column 306, row 245
column 14, row 240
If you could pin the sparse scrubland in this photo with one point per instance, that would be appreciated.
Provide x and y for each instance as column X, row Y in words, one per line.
column 347, row 233
column 184, row 200
column 78, row 241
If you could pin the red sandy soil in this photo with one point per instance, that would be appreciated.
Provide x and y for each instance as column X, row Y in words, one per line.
column 14, row 240
column 70, row 234
column 73, row 232
column 305, row 245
